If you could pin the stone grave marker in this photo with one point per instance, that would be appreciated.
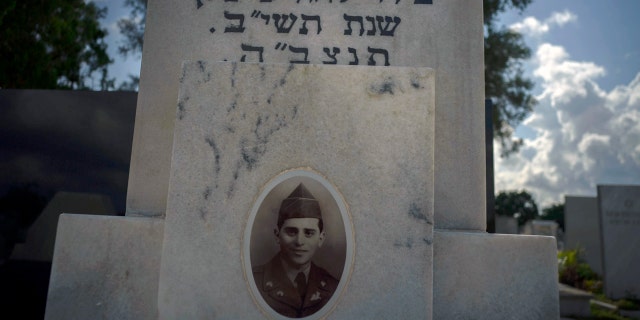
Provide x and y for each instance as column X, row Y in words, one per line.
column 369, row 113
column 504, row 224
column 541, row 228
column 361, row 134
column 443, row 35
column 620, row 232
column 582, row 224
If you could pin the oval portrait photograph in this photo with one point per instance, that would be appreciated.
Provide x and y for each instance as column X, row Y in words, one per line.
column 298, row 246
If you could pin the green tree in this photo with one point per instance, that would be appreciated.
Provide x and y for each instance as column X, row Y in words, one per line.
column 505, row 83
column 554, row 212
column 53, row 44
column 518, row 204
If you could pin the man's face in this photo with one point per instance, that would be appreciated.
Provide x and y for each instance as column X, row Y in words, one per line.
column 299, row 238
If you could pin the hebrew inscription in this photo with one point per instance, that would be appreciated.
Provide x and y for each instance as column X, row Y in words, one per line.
column 309, row 31
column 623, row 218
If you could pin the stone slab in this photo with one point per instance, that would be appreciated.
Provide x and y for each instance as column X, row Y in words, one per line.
column 582, row 229
column 620, row 232
column 506, row 225
column 494, row 276
column 366, row 131
column 41, row 235
column 444, row 35
column 540, row 228
column 574, row 302
column 105, row 267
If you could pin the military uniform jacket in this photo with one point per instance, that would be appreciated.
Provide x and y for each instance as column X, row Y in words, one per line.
column 279, row 293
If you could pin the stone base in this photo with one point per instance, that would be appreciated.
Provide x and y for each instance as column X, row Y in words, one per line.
column 105, row 267
column 494, row 276
column 574, row 302
column 41, row 236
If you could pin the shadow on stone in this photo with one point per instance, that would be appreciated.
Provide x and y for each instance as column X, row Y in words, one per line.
column 23, row 289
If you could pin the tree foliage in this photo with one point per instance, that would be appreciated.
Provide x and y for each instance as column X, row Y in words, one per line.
column 518, row 204
column 505, row 83
column 53, row 44
column 573, row 271
column 132, row 28
column 554, row 212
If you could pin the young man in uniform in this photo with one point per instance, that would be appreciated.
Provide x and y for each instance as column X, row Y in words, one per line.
column 290, row 283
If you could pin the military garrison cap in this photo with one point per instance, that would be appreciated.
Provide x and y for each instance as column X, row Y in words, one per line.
column 299, row 204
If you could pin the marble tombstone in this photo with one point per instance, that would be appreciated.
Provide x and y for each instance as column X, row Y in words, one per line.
column 376, row 107
column 619, row 208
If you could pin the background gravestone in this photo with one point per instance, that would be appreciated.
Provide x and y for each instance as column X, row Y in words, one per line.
column 41, row 236
column 505, row 224
column 582, row 224
column 620, row 232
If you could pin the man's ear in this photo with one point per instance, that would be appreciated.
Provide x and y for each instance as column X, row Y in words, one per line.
column 321, row 239
column 276, row 233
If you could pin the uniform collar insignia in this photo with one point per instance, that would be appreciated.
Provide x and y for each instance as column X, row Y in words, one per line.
column 315, row 296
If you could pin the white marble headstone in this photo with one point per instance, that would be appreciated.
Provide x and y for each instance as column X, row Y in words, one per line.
column 582, row 229
column 444, row 35
column 620, row 232
column 363, row 136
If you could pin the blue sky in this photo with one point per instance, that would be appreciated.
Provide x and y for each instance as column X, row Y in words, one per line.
column 585, row 130
column 585, row 62
column 122, row 67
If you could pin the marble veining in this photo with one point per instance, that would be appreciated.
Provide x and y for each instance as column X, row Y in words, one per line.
column 387, row 86
column 367, row 130
column 418, row 213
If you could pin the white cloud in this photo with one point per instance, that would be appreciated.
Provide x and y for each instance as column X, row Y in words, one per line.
column 562, row 78
column 531, row 25
column 561, row 18
column 534, row 27
column 584, row 136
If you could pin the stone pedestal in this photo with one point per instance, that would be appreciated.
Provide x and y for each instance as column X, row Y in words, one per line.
column 475, row 275
column 494, row 276
column 105, row 267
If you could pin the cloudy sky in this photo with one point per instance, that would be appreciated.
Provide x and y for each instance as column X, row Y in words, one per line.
column 585, row 130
